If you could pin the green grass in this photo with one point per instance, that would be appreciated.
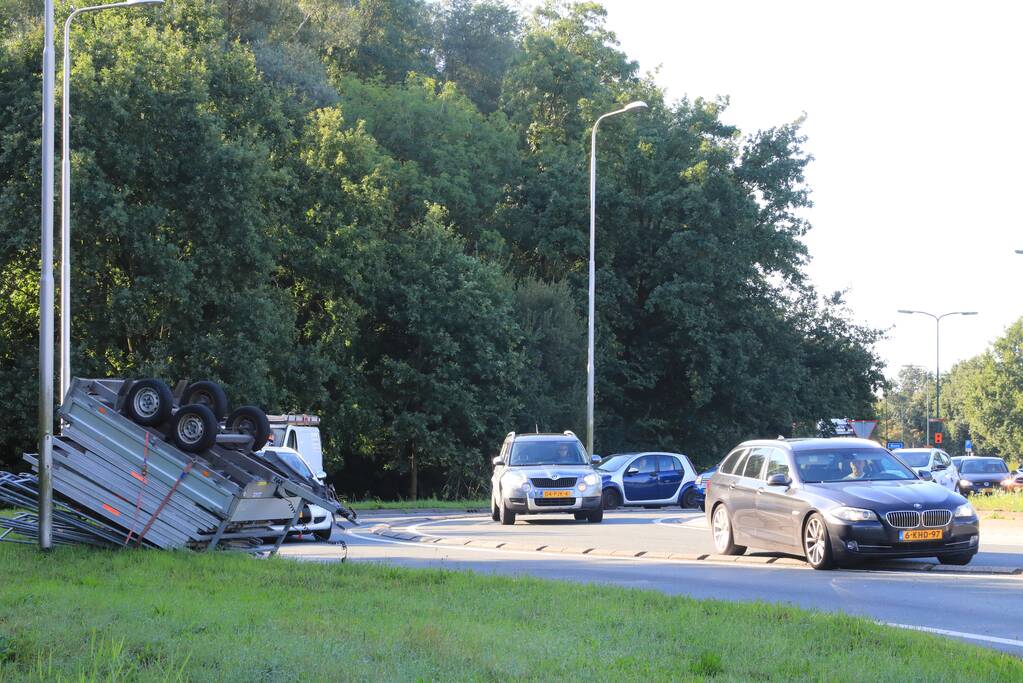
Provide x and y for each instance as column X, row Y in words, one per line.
column 83, row 614
column 421, row 504
column 1003, row 502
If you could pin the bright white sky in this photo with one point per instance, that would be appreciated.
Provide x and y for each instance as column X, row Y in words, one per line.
column 913, row 119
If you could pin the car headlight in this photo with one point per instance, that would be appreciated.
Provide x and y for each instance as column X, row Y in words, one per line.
column 964, row 510
column 853, row 514
column 1007, row 482
column 965, row 482
column 514, row 480
column 591, row 479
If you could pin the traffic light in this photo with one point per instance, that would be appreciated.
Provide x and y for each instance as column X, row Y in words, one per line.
column 937, row 438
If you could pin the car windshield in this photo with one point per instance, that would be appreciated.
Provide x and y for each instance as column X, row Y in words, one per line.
column 983, row 467
column 849, row 464
column 612, row 463
column 562, row 452
column 915, row 459
column 296, row 463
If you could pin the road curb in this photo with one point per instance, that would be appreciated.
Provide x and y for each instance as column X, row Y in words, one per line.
column 386, row 531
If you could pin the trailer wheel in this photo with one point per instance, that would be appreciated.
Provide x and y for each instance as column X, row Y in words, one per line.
column 194, row 428
column 209, row 394
column 250, row 420
column 149, row 402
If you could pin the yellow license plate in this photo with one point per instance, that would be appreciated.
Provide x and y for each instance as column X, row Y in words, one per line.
column 557, row 494
column 922, row 535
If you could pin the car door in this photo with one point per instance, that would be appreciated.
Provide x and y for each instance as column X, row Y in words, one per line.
column 947, row 472
column 775, row 504
column 640, row 479
column 743, row 493
column 722, row 480
column 669, row 476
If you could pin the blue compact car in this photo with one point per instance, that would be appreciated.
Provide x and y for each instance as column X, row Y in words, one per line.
column 700, row 487
column 647, row 479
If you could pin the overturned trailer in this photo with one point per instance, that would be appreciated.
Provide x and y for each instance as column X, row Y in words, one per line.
column 132, row 466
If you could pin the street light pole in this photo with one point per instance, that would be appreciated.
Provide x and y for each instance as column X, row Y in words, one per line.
column 45, row 427
column 593, row 269
column 65, row 194
column 937, row 353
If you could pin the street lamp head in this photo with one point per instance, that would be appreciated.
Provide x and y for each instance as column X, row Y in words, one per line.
column 1019, row 251
column 144, row 2
column 903, row 310
column 968, row 313
column 638, row 104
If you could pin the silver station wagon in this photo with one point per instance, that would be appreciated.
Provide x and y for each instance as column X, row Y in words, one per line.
column 542, row 473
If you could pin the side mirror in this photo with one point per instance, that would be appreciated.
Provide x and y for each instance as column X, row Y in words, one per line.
column 632, row 470
column 594, row 459
column 498, row 461
column 321, row 475
column 779, row 480
column 926, row 475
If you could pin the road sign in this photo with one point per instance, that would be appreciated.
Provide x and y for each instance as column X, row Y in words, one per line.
column 968, row 446
column 863, row 428
column 892, row 445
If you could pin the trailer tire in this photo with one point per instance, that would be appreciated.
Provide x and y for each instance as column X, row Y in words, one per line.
column 250, row 420
column 149, row 402
column 209, row 394
column 194, row 428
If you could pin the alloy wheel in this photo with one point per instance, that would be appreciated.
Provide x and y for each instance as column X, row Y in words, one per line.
column 813, row 541
column 722, row 529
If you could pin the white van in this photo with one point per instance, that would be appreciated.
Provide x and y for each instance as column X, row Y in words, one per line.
column 302, row 433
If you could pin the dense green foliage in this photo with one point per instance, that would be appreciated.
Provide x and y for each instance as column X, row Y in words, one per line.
column 377, row 210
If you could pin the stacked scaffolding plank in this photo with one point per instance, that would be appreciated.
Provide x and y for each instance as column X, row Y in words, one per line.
column 119, row 483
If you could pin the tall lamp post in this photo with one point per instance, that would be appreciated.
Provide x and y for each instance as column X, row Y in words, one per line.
column 65, row 194
column 45, row 424
column 593, row 237
column 937, row 352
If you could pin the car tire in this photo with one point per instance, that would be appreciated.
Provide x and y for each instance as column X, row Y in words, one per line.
column 689, row 499
column 610, row 499
column 721, row 530
column 253, row 421
column 596, row 517
column 817, row 543
column 194, row 428
column 209, row 394
column 149, row 402
column 495, row 514
column 507, row 516
column 956, row 558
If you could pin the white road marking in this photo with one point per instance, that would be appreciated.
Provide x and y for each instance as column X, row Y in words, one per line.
column 839, row 573
column 959, row 634
column 694, row 524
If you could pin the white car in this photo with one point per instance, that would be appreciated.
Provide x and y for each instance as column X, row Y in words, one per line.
column 933, row 460
column 313, row 520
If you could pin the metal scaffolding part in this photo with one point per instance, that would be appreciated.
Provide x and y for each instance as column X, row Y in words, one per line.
column 117, row 483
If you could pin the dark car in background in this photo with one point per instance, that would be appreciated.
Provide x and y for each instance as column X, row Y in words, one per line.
column 835, row 501
column 700, row 487
column 982, row 474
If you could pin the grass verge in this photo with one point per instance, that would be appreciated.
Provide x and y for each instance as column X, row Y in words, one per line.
column 421, row 504
column 1002, row 502
column 83, row 614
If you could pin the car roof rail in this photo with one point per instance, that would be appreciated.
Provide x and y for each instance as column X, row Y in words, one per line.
column 569, row 432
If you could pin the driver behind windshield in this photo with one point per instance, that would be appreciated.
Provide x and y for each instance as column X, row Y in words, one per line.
column 857, row 469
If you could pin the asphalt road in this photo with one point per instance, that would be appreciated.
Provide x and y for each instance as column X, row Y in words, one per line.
column 979, row 608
